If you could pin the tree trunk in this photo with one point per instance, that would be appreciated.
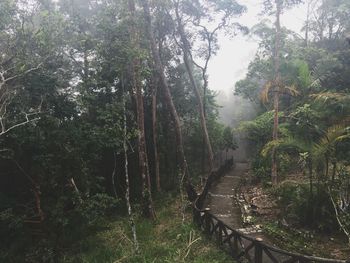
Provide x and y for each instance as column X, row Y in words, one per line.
column 166, row 90
column 114, row 173
column 307, row 24
column 155, row 136
column 35, row 187
column 72, row 182
column 310, row 178
column 311, row 201
column 142, row 151
column 127, row 184
column 276, row 94
column 186, row 55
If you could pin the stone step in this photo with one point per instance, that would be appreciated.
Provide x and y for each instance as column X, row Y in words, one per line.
column 221, row 195
column 251, row 230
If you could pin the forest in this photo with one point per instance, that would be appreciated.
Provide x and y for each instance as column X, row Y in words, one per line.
column 111, row 133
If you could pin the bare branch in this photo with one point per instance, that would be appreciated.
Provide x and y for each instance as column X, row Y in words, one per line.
column 24, row 73
column 4, row 130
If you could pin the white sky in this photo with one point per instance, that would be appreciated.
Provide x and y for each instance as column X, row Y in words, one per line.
column 232, row 60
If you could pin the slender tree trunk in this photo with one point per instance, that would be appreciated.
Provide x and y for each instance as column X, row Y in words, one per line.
column 205, row 85
column 186, row 55
column 155, row 136
column 142, row 151
column 114, row 173
column 276, row 94
column 310, row 178
column 72, row 182
column 203, row 166
column 127, row 183
column 311, row 201
column 166, row 90
column 36, row 191
column 307, row 24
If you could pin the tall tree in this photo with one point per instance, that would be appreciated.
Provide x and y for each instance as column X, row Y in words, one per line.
column 137, row 90
column 126, row 170
column 155, row 132
column 279, row 5
column 276, row 94
column 166, row 90
column 188, row 64
column 201, row 15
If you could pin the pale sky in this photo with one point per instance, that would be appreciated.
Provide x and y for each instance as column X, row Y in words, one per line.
column 232, row 60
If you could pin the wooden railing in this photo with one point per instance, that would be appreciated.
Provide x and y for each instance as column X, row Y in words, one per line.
column 240, row 246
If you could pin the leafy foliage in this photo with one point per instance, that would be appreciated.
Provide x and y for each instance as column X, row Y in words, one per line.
column 313, row 133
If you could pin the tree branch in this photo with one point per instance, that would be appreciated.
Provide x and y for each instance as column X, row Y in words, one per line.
column 4, row 130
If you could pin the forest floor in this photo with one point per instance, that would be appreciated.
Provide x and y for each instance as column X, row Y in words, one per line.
column 296, row 239
column 165, row 240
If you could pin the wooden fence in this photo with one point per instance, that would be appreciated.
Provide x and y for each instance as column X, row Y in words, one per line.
column 241, row 246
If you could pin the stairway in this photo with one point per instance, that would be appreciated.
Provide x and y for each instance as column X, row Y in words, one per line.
column 222, row 200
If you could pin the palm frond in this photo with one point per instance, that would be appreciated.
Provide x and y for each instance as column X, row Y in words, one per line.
column 268, row 87
column 291, row 90
column 327, row 143
column 264, row 95
column 343, row 138
column 284, row 144
column 328, row 95
column 269, row 146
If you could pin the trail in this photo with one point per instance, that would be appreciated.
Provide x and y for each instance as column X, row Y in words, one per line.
column 223, row 202
column 222, row 196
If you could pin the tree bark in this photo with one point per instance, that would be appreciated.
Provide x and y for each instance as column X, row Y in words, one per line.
column 307, row 23
column 166, row 90
column 127, row 183
column 186, row 55
column 311, row 201
column 35, row 187
column 142, row 151
column 276, row 95
column 114, row 173
column 155, row 137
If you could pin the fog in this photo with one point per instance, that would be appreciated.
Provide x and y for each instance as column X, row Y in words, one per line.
column 232, row 60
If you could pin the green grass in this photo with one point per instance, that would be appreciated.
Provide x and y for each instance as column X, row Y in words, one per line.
column 163, row 240
column 289, row 240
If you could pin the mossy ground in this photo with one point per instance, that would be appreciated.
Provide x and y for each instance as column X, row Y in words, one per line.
column 166, row 239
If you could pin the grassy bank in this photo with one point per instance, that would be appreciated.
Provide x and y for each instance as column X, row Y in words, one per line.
column 165, row 240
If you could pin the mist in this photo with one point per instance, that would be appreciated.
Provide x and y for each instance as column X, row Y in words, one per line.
column 234, row 109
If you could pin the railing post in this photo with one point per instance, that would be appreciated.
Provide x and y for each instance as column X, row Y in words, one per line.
column 207, row 220
column 219, row 233
column 196, row 215
column 258, row 255
column 303, row 260
column 235, row 244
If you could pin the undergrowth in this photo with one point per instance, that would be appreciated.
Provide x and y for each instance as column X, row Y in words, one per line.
column 165, row 240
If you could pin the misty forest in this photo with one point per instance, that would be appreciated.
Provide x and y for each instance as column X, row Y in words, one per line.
column 117, row 146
